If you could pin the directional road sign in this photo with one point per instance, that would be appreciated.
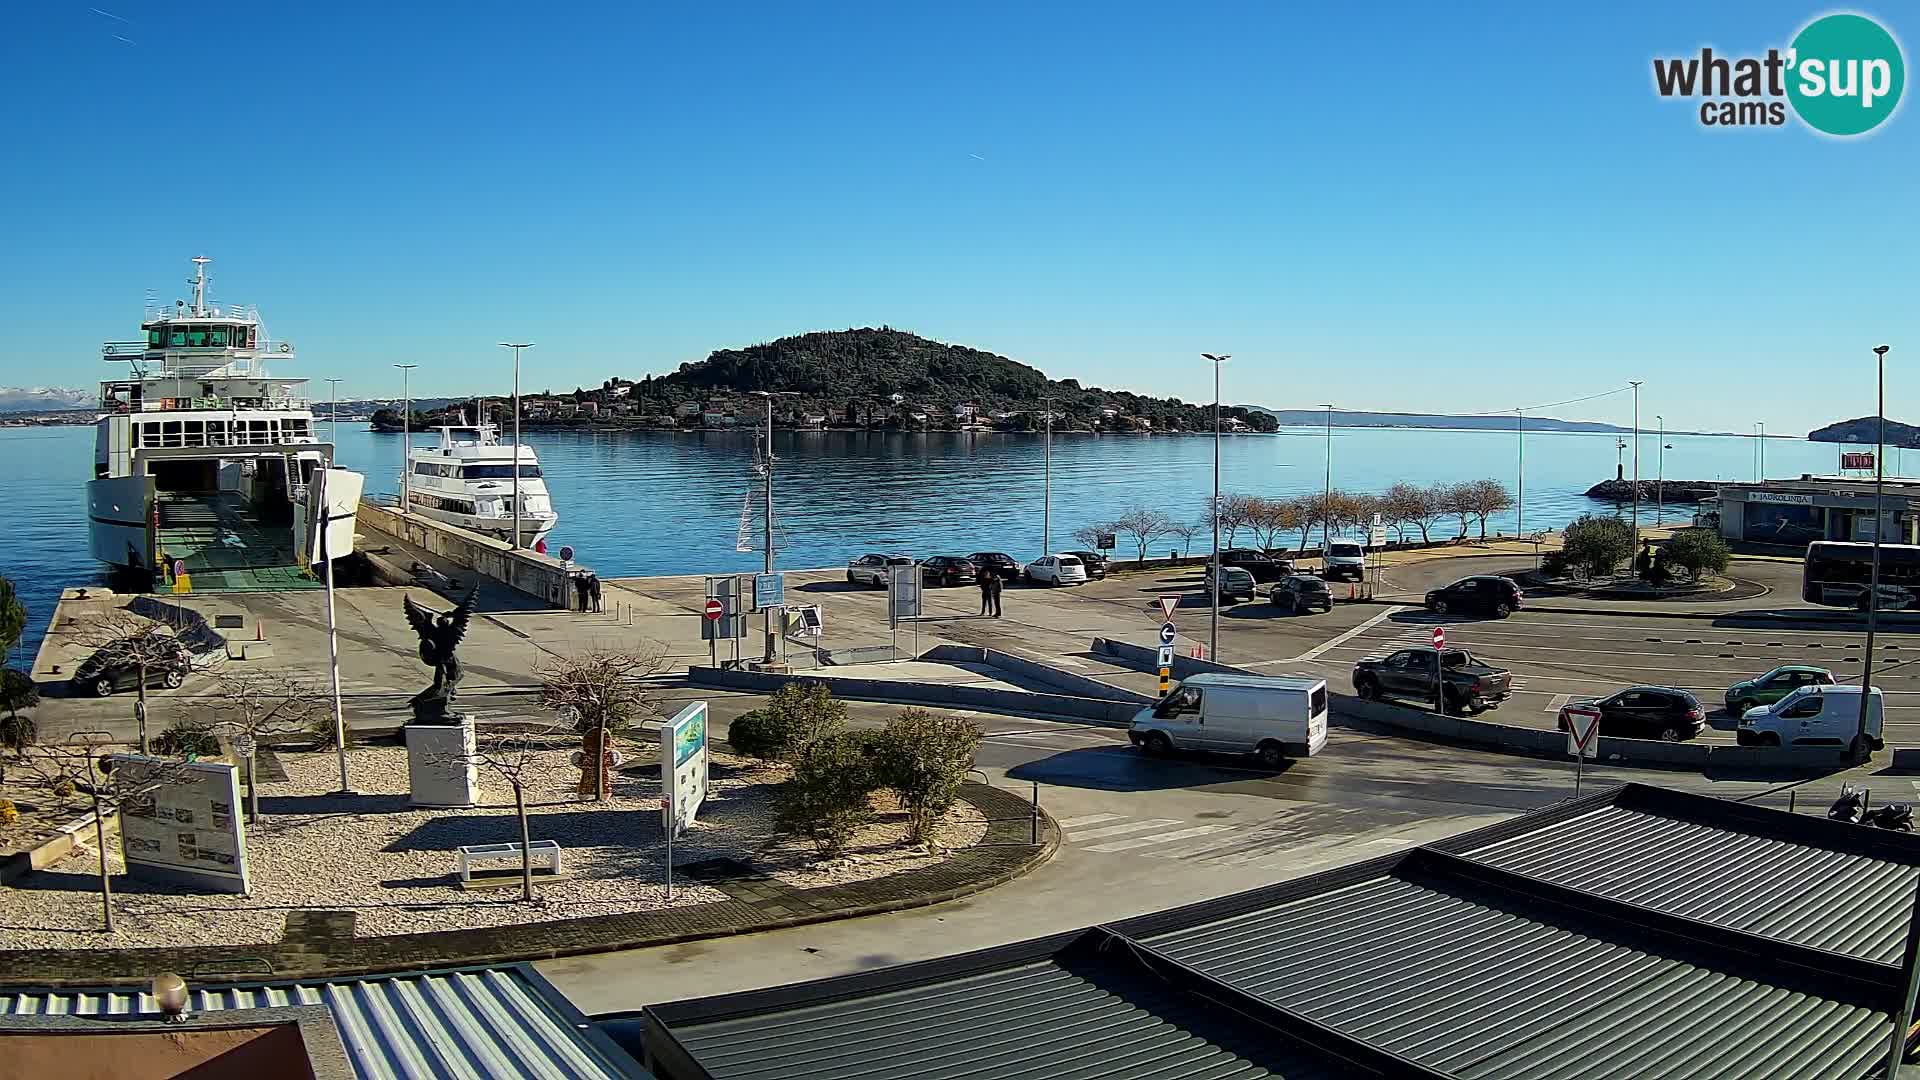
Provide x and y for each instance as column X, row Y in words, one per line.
column 1166, row 657
column 1167, row 604
column 1167, row 633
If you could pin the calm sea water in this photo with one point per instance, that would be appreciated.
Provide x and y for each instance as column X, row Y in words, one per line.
column 670, row 503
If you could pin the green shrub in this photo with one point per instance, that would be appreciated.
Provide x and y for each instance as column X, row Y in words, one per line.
column 9, row 814
column 320, row 730
column 924, row 759
column 796, row 716
column 830, row 794
column 187, row 737
column 1553, row 564
column 1596, row 546
column 1697, row 551
column 752, row 734
column 17, row 692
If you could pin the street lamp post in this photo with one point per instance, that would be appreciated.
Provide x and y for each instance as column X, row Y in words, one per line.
column 768, row 613
column 516, row 434
column 1660, row 474
column 1326, row 498
column 1860, row 745
column 406, row 436
column 1635, row 383
column 1213, row 511
column 1762, row 443
column 1046, row 493
column 333, row 414
column 1520, row 501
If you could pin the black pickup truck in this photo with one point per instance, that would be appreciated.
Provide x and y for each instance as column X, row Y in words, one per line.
column 1472, row 686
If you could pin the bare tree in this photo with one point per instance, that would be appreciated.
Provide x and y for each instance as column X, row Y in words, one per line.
column 1184, row 532
column 1144, row 525
column 1311, row 509
column 1089, row 536
column 121, row 639
column 1236, row 512
column 260, row 704
column 78, row 766
column 518, row 758
column 1402, row 505
column 1487, row 497
column 602, row 692
column 1457, row 501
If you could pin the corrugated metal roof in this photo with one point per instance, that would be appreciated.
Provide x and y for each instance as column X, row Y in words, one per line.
column 1834, row 900
column 486, row 1023
column 1032, row 1020
column 1457, row 979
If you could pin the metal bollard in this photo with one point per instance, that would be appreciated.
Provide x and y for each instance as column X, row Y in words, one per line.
column 1034, row 819
column 1790, row 795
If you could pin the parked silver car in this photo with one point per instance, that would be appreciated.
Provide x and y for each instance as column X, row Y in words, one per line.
column 875, row 570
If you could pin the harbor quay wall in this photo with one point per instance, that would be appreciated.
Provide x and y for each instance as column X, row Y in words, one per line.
column 540, row 576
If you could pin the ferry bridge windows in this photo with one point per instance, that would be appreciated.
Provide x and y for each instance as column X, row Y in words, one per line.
column 499, row 472
column 437, row 502
column 198, row 336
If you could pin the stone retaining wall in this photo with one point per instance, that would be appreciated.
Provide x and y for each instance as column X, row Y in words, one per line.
column 539, row 576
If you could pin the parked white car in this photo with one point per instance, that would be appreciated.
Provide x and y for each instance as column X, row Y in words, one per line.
column 1057, row 570
column 875, row 570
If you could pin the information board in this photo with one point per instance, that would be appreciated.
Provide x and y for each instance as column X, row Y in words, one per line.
column 683, row 767
column 180, row 821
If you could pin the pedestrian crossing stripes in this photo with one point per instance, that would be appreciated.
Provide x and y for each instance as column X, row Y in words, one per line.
column 1273, row 843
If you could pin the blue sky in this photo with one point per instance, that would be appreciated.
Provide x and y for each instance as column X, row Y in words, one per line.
column 1414, row 206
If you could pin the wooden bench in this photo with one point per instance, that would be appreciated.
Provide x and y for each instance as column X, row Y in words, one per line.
column 545, row 856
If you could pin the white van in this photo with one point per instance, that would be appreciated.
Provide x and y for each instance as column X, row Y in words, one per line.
column 1812, row 716
column 1345, row 559
column 1271, row 717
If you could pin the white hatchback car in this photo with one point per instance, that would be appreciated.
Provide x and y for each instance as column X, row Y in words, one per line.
column 1057, row 570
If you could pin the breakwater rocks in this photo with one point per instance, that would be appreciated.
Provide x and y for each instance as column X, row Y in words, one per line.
column 1672, row 491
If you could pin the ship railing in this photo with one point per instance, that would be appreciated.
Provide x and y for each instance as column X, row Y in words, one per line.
column 176, row 440
column 204, row 404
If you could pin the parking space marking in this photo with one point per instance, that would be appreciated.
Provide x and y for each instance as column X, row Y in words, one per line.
column 1316, row 652
column 1553, row 704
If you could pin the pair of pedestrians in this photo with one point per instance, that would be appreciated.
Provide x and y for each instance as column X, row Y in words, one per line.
column 990, row 587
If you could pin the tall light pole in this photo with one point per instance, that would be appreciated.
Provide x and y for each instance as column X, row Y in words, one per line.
column 1520, row 501
column 767, row 613
column 406, row 437
column 1660, row 475
column 333, row 414
column 1326, row 497
column 1762, row 443
column 516, row 433
column 1635, row 383
column 1046, row 493
column 1213, row 511
column 1873, row 581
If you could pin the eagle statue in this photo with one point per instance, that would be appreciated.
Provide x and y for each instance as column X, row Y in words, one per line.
column 440, row 635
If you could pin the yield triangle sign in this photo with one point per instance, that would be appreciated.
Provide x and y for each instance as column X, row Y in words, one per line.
column 1167, row 604
column 1583, row 731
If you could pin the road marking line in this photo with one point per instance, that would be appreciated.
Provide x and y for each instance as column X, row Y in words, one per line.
column 1553, row 706
column 1121, row 830
column 1160, row 838
column 1088, row 819
column 1314, row 653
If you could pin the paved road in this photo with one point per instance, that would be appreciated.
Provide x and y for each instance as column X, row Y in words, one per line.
column 1140, row 834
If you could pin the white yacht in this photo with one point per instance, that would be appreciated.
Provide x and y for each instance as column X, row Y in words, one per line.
column 467, row 481
column 205, row 463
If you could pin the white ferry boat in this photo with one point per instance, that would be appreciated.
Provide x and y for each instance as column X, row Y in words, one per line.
column 467, row 481
column 206, row 464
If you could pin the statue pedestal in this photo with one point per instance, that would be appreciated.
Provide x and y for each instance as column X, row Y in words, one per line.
column 435, row 776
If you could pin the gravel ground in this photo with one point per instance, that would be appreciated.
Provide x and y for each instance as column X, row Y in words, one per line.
column 394, row 865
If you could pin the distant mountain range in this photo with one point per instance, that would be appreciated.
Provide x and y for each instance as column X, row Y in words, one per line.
column 19, row 399
column 1343, row 418
column 1866, row 429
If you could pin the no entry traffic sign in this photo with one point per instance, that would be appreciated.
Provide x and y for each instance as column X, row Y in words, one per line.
column 714, row 610
column 1439, row 637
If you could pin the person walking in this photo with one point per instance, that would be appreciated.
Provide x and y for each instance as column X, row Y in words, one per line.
column 995, row 585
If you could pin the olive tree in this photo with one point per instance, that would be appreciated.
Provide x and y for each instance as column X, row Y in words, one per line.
column 1698, row 551
column 925, row 758
column 1595, row 545
column 1486, row 498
